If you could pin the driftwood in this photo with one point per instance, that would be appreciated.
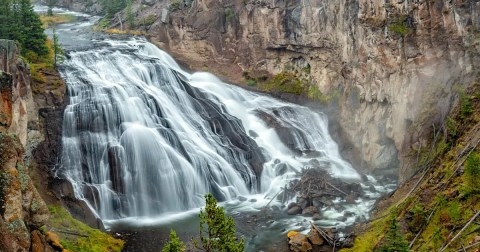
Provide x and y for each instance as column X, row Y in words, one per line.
column 331, row 241
column 316, row 182
column 469, row 247
column 70, row 232
column 461, row 231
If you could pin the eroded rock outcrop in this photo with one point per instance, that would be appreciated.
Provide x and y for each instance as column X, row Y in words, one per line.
column 22, row 209
column 393, row 64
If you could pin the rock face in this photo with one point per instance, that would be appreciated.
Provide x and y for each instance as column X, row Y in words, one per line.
column 392, row 64
column 22, row 209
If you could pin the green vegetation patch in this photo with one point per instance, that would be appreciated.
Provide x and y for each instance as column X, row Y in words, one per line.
column 77, row 236
column 399, row 27
column 57, row 19
column 285, row 82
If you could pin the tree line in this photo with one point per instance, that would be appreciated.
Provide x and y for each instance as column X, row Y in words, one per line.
column 20, row 23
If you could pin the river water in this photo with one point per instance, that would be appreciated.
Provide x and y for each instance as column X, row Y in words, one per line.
column 144, row 141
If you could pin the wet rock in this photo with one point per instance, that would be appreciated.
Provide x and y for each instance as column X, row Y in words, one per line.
column 348, row 242
column 349, row 214
column 317, row 202
column 316, row 216
column 292, row 204
column 241, row 198
column 310, row 211
column 350, row 199
column 281, row 169
column 364, row 177
column 253, row 200
column 253, row 134
column 294, row 210
column 302, row 202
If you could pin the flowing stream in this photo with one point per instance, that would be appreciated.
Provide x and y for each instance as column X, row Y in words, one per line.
column 144, row 140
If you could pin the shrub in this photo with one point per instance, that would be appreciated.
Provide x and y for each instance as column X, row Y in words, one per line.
column 229, row 14
column 399, row 27
column 452, row 127
column 472, row 172
column 465, row 105
column 217, row 231
column 251, row 83
column 149, row 20
column 174, row 244
column 175, row 5
column 395, row 242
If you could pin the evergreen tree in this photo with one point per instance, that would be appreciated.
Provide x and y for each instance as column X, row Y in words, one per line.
column 22, row 24
column 57, row 49
column 174, row 244
column 32, row 31
column 394, row 240
column 129, row 15
column 217, row 231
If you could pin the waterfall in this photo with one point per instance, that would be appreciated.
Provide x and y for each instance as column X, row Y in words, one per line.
column 142, row 137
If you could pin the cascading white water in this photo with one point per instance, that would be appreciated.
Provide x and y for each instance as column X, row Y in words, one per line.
column 141, row 137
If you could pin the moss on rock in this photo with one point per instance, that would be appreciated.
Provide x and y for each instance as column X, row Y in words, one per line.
column 77, row 236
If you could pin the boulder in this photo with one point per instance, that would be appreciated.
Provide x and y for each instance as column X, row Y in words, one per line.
column 294, row 210
column 302, row 202
column 298, row 242
column 310, row 211
column 315, row 237
column 241, row 198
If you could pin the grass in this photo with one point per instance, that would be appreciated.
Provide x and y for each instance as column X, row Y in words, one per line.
column 127, row 31
column 285, row 82
column 89, row 239
column 57, row 19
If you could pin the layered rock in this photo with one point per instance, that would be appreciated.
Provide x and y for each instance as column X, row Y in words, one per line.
column 22, row 209
column 393, row 64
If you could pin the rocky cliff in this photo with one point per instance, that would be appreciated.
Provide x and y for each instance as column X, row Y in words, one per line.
column 392, row 65
column 22, row 209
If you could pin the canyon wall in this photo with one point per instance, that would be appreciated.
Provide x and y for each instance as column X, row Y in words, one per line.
column 392, row 65
column 22, row 209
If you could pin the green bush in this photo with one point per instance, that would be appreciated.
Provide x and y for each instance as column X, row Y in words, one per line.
column 251, row 83
column 472, row 172
column 149, row 20
column 217, row 231
column 452, row 127
column 465, row 105
column 399, row 27
column 394, row 240
column 174, row 244
column 175, row 5
column 229, row 14
column 285, row 82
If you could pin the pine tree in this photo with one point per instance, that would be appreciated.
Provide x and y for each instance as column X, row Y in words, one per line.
column 20, row 23
column 32, row 31
column 217, row 231
column 174, row 244
column 394, row 240
column 57, row 49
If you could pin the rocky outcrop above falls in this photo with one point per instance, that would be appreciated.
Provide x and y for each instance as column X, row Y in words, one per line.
column 392, row 64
